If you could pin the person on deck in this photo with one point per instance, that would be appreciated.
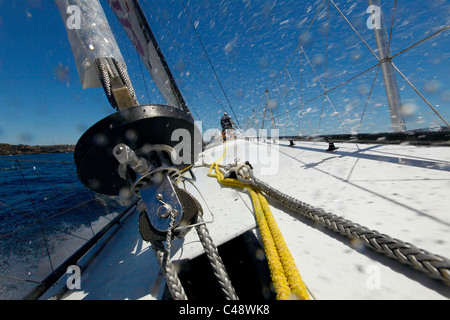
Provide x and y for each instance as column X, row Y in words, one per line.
column 227, row 126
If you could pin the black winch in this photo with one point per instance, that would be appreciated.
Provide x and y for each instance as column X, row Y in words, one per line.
column 141, row 151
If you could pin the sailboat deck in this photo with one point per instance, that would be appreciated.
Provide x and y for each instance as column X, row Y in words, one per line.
column 398, row 190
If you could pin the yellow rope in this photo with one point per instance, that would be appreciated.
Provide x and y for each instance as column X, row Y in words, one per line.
column 277, row 273
column 286, row 279
column 295, row 281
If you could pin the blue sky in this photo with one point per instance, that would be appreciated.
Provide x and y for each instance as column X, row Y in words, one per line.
column 249, row 42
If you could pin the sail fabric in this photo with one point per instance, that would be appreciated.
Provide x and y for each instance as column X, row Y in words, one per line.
column 131, row 16
column 90, row 37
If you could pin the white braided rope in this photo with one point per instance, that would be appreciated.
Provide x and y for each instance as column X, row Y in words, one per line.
column 170, row 274
column 432, row 265
column 216, row 261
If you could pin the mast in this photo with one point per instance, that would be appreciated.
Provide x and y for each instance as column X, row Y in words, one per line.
column 390, row 81
column 130, row 15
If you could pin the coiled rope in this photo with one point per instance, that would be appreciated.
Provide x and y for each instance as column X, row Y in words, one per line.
column 285, row 276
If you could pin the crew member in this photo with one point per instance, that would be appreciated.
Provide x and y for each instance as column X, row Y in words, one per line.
column 227, row 124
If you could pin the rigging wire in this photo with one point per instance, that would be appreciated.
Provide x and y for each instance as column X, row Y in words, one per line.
column 392, row 25
column 336, row 87
column 19, row 279
column 210, row 62
column 299, row 44
column 409, row 82
column 395, row 67
column 326, row 63
column 38, row 221
column 41, row 222
column 143, row 77
column 419, row 42
column 300, row 96
column 420, row 94
column 390, row 58
column 357, row 33
column 284, row 104
column 36, row 215
column 61, row 190
column 185, row 56
column 368, row 99
column 324, row 90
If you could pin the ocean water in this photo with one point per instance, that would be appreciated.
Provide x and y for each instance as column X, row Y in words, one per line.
column 46, row 214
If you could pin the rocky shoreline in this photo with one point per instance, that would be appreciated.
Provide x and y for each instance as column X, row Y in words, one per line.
column 9, row 149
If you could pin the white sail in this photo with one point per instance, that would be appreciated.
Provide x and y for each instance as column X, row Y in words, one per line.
column 90, row 37
column 130, row 15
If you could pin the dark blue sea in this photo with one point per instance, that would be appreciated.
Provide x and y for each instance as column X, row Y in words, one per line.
column 46, row 214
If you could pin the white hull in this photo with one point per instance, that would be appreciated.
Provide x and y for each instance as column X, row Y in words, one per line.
column 398, row 190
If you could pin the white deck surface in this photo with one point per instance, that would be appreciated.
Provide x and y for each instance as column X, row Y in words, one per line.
column 399, row 190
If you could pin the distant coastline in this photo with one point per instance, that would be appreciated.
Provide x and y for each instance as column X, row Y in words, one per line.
column 9, row 149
